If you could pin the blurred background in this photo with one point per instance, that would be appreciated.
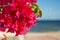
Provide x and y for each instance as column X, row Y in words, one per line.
column 50, row 20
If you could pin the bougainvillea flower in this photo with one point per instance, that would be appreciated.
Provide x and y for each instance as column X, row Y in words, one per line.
column 17, row 16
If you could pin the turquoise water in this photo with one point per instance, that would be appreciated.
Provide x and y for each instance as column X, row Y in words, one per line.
column 46, row 26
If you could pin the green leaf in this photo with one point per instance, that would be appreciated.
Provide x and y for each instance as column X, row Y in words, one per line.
column 40, row 12
column 36, row 8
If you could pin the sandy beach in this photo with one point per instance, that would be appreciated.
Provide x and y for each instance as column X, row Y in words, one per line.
column 37, row 36
column 43, row 36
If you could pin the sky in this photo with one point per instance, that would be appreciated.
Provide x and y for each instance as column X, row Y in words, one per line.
column 50, row 9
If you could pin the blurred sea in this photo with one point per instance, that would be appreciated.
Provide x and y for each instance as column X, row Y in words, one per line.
column 46, row 26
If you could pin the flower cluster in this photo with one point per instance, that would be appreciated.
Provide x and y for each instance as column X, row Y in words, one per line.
column 17, row 15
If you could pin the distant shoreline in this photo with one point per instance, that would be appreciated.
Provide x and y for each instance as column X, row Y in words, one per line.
column 48, row 20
